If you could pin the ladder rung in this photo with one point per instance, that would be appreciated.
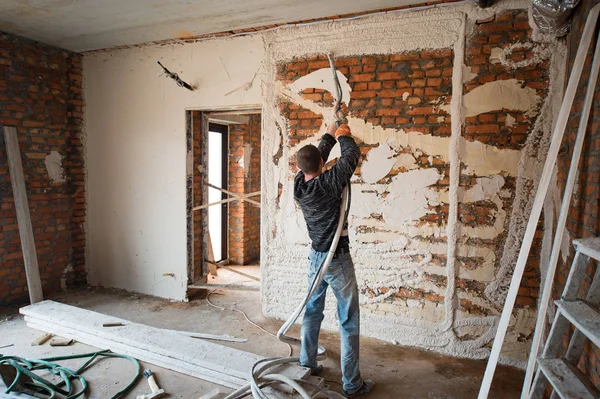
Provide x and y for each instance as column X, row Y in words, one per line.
column 583, row 317
column 588, row 246
column 564, row 380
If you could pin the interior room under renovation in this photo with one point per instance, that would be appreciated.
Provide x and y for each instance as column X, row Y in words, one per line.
column 269, row 199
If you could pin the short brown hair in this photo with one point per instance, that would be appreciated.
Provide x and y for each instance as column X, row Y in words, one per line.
column 309, row 159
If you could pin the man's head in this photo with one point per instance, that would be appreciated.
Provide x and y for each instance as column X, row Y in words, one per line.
column 309, row 160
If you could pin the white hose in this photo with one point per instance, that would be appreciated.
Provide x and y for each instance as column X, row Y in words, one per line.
column 257, row 379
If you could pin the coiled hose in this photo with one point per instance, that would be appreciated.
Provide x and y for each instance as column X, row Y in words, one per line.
column 26, row 368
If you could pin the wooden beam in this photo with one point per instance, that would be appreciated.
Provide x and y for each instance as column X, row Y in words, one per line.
column 236, row 195
column 243, row 198
column 34, row 283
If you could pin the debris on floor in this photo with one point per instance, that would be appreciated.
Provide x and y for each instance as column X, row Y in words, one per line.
column 41, row 339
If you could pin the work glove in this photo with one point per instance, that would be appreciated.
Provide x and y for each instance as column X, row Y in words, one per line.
column 343, row 130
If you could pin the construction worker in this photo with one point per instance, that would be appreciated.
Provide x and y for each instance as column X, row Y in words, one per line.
column 319, row 194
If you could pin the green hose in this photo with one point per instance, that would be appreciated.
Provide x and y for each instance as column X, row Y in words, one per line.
column 26, row 367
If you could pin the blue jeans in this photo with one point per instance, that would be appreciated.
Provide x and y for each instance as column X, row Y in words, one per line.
column 342, row 280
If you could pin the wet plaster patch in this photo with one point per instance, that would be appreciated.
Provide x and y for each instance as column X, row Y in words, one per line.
column 54, row 167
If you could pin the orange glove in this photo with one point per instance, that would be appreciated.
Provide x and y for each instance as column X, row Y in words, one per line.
column 343, row 130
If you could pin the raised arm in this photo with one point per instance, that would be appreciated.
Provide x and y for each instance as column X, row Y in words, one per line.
column 339, row 175
column 327, row 142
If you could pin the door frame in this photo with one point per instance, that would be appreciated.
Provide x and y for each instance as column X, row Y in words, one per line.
column 196, row 278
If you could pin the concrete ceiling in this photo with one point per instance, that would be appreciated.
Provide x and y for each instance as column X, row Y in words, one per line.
column 83, row 25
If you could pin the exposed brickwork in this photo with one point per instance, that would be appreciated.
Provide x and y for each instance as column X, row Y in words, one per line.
column 406, row 91
column 584, row 216
column 492, row 127
column 41, row 95
column 197, row 190
column 244, row 218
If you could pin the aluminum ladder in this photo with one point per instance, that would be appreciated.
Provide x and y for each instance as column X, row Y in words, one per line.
column 561, row 372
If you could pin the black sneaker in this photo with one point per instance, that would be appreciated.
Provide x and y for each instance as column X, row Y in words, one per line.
column 365, row 388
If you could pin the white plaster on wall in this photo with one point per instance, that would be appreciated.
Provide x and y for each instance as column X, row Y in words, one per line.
column 246, row 158
column 136, row 156
column 499, row 94
column 54, row 167
column 379, row 163
column 510, row 120
column 322, row 78
column 393, row 252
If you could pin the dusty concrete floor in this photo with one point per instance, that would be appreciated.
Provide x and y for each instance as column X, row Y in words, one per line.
column 225, row 276
column 400, row 372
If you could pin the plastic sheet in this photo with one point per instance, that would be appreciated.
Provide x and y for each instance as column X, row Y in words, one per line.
column 552, row 16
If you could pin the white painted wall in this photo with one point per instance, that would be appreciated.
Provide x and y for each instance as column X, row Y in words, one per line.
column 136, row 154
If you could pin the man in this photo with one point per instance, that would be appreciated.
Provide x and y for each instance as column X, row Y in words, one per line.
column 319, row 195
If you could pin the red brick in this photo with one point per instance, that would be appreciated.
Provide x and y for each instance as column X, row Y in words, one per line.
column 364, row 94
column 364, row 77
column 389, row 76
column 389, row 111
column 420, row 111
column 482, row 129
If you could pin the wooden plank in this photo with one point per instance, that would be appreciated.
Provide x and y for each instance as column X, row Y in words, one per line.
column 561, row 223
column 540, row 195
column 209, row 355
column 142, row 355
column 243, row 198
column 41, row 339
column 583, row 317
column 589, row 246
column 564, row 380
column 34, row 283
column 236, row 195
column 235, row 287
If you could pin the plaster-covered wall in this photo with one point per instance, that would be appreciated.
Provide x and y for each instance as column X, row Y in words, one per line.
column 450, row 156
column 136, row 153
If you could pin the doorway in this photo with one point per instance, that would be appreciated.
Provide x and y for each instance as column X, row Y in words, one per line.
column 224, row 185
column 217, row 178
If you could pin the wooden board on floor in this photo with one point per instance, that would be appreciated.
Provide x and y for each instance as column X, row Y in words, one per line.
column 198, row 358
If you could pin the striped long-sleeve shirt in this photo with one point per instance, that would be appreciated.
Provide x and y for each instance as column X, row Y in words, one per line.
column 319, row 198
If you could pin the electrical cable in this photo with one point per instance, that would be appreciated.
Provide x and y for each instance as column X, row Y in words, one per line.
column 245, row 316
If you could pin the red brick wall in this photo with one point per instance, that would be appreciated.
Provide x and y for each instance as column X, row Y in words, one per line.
column 584, row 216
column 490, row 127
column 40, row 95
column 196, row 121
column 244, row 218
column 378, row 84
